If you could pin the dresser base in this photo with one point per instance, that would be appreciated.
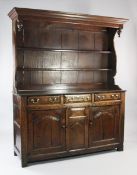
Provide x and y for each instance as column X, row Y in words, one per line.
column 65, row 155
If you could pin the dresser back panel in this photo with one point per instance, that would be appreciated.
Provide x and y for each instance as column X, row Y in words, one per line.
column 50, row 54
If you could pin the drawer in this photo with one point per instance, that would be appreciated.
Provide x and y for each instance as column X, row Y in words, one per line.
column 77, row 98
column 106, row 96
column 42, row 100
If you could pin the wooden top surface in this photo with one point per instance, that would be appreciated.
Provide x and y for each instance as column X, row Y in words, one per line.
column 25, row 13
column 114, row 88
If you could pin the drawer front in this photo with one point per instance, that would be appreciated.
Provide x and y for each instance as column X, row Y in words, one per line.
column 41, row 100
column 77, row 98
column 106, row 96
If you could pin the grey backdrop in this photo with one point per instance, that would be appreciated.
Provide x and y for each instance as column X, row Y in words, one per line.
column 126, row 49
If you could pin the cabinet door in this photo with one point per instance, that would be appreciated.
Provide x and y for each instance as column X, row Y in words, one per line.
column 104, row 125
column 77, row 128
column 46, row 131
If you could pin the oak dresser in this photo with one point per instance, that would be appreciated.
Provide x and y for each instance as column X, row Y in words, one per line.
column 65, row 99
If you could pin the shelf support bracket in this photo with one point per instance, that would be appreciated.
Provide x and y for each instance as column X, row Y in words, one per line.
column 119, row 30
column 19, row 25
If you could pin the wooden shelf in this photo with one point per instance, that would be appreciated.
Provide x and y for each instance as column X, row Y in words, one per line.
column 61, row 69
column 64, row 50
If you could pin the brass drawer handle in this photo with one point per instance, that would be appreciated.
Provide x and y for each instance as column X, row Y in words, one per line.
column 98, row 96
column 50, row 99
column 53, row 99
column 113, row 96
column 103, row 96
column 35, row 100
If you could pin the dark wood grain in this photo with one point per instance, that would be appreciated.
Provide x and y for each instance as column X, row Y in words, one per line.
column 65, row 101
column 50, row 125
column 104, row 125
column 73, row 18
column 77, row 128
